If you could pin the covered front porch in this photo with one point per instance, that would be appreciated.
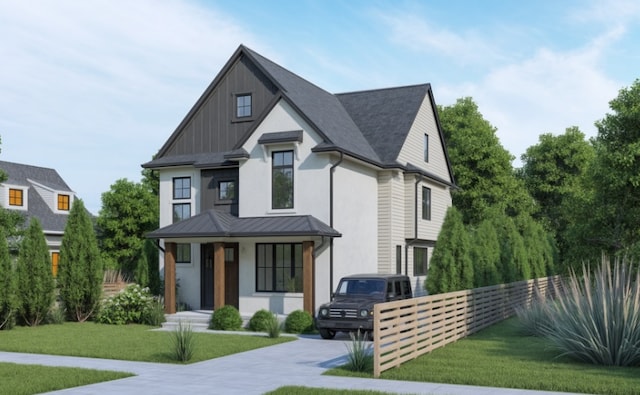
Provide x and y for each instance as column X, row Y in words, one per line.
column 220, row 237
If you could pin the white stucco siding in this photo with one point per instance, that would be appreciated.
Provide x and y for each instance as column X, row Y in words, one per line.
column 355, row 216
column 310, row 179
column 413, row 148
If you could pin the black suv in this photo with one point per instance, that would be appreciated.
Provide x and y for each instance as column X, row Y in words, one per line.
column 351, row 308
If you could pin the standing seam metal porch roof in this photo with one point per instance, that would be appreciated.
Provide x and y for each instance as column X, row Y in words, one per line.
column 214, row 223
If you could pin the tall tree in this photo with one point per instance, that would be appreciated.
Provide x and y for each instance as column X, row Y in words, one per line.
column 8, row 285
column 129, row 211
column 35, row 278
column 451, row 268
column 80, row 271
column 513, row 256
column 482, row 167
column 485, row 254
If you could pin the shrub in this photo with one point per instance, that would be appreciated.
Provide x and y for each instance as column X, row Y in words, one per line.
column 183, row 342
column 274, row 327
column 226, row 318
column 56, row 315
column 260, row 320
column 298, row 321
column 596, row 319
column 127, row 306
column 8, row 285
column 359, row 353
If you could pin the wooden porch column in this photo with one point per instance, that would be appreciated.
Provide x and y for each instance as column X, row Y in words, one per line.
column 170, row 278
column 308, row 278
column 218, row 275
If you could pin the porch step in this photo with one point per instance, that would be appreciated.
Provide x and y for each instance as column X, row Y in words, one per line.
column 197, row 319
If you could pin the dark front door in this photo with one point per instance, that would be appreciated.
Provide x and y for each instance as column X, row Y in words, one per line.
column 231, row 274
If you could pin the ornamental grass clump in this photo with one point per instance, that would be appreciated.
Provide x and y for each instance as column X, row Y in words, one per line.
column 273, row 327
column 359, row 353
column 183, row 341
column 534, row 319
column 596, row 317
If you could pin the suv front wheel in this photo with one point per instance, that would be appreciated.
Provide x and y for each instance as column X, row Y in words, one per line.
column 327, row 333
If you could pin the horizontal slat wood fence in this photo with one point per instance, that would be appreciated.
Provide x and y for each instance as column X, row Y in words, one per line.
column 110, row 289
column 406, row 329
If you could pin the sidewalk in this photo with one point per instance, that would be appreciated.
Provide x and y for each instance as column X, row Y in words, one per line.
column 300, row 362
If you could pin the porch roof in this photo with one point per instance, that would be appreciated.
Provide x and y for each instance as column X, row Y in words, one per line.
column 214, row 223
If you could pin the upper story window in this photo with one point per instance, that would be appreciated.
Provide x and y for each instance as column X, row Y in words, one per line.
column 243, row 106
column 226, row 190
column 182, row 188
column 282, row 180
column 181, row 211
column 63, row 202
column 426, row 148
column 426, row 203
column 16, row 197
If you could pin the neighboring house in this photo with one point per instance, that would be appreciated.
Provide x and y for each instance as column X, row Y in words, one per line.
column 41, row 193
column 272, row 189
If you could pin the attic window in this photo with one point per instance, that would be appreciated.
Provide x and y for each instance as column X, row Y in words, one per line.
column 243, row 106
column 426, row 148
column 63, row 202
column 16, row 197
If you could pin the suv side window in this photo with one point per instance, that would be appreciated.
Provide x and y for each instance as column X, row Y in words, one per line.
column 390, row 291
column 406, row 289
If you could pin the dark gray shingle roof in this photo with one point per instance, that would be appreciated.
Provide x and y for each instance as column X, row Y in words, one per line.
column 214, row 223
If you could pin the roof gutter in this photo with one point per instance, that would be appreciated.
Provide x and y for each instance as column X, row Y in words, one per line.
column 331, row 170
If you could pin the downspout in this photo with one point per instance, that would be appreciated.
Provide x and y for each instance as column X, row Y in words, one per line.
column 331, row 222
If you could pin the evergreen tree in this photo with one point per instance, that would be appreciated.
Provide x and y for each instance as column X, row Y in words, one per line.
column 80, row 271
column 513, row 256
column 35, row 279
column 451, row 268
column 485, row 254
column 8, row 285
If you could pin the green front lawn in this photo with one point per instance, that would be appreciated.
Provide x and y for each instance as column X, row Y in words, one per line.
column 35, row 379
column 500, row 356
column 124, row 342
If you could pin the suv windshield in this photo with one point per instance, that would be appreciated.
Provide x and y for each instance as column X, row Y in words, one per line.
column 361, row 286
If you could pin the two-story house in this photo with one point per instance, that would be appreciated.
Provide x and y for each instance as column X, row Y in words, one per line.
column 272, row 189
column 41, row 193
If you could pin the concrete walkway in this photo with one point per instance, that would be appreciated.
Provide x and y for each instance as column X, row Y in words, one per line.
column 300, row 362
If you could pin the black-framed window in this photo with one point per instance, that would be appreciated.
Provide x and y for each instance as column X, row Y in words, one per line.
column 420, row 261
column 279, row 267
column 426, row 148
column 282, row 179
column 182, row 188
column 398, row 259
column 243, row 106
column 426, row 203
column 226, row 190
column 183, row 253
column 181, row 211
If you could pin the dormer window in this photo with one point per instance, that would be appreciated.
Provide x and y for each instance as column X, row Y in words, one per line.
column 16, row 197
column 243, row 106
column 63, row 202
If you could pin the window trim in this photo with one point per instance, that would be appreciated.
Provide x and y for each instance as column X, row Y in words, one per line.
column 55, row 263
column 426, row 203
column 275, row 168
column 60, row 197
column 173, row 188
column 173, row 211
column 183, row 247
column 398, row 259
column 425, row 148
column 235, row 117
column 22, row 199
column 294, row 267
column 425, row 261
column 235, row 186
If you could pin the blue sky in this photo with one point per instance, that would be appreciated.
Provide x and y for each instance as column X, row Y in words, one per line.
column 94, row 88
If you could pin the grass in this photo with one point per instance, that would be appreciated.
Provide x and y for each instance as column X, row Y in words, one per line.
column 297, row 390
column 500, row 356
column 124, row 342
column 34, row 379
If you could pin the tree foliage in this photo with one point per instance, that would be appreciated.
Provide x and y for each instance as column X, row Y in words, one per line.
column 35, row 278
column 451, row 268
column 485, row 254
column 129, row 211
column 482, row 167
column 80, row 271
column 8, row 285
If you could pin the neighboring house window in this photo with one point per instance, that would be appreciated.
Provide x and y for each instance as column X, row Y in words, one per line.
column 55, row 258
column 183, row 253
column 226, row 190
column 426, row 203
column 420, row 263
column 16, row 197
column 243, row 106
column 181, row 211
column 63, row 202
column 279, row 267
column 398, row 259
column 182, row 188
column 426, row 148
column 282, row 180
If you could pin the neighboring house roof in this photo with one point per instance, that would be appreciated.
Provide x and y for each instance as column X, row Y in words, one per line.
column 30, row 176
column 214, row 223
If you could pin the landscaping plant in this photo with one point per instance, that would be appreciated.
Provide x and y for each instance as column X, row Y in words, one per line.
column 359, row 353
column 534, row 319
column 183, row 342
column 8, row 285
column 596, row 318
column 226, row 318
column 298, row 321
column 260, row 320
column 131, row 305
column 273, row 326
